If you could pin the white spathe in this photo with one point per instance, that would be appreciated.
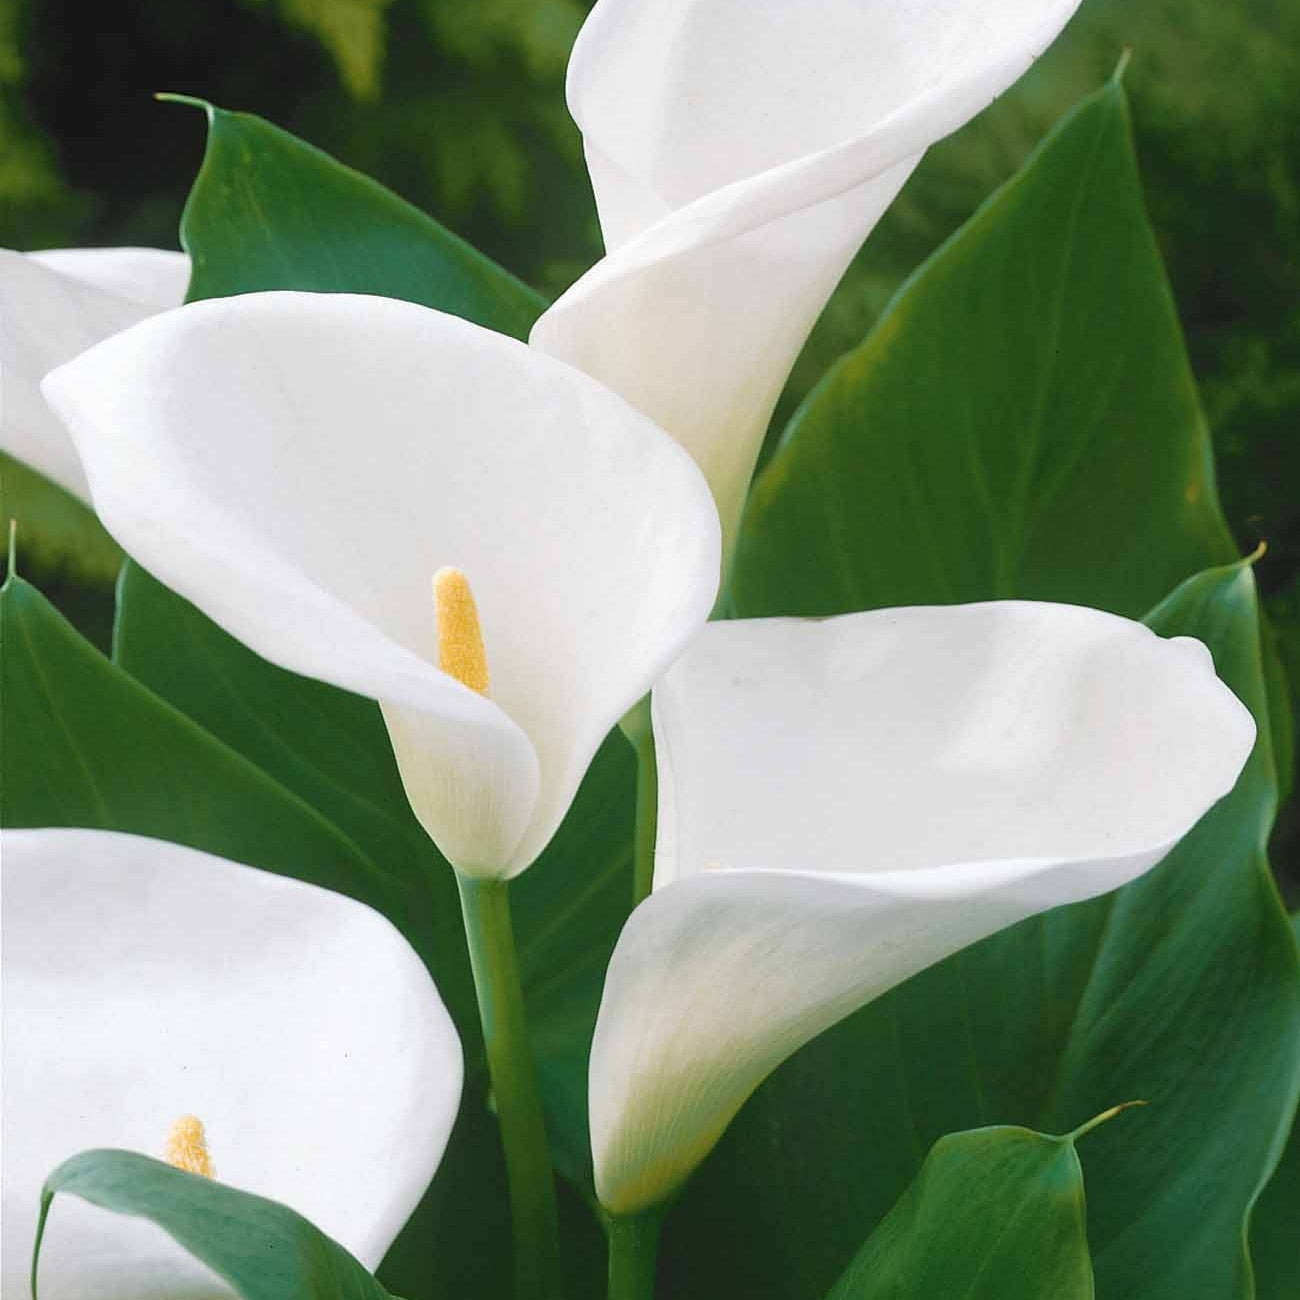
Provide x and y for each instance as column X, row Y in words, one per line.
column 143, row 982
column 845, row 802
column 741, row 151
column 54, row 305
column 300, row 465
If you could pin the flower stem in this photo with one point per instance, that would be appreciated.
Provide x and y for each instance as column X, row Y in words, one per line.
column 647, row 817
column 485, row 905
column 633, row 1254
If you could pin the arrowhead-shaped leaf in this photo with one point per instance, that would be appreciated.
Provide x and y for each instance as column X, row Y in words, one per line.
column 87, row 745
column 1021, row 423
column 269, row 211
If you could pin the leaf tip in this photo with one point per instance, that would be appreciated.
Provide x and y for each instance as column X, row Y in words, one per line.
column 1098, row 1120
column 190, row 101
column 12, row 570
column 1125, row 58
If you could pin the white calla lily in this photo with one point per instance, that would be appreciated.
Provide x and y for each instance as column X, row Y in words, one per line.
column 301, row 465
column 54, row 305
column 741, row 151
column 844, row 802
column 145, row 982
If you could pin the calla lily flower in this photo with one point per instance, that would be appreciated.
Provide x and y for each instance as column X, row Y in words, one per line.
column 845, row 802
column 145, row 984
column 740, row 152
column 54, row 305
column 300, row 466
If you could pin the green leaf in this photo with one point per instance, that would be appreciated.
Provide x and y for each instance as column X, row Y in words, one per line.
column 269, row 211
column 263, row 1249
column 1275, row 1225
column 1022, row 423
column 996, row 1214
column 86, row 745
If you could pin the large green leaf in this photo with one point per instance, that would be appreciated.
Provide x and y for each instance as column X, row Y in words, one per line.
column 1022, row 423
column 86, row 745
column 265, row 1250
column 269, row 211
column 997, row 1214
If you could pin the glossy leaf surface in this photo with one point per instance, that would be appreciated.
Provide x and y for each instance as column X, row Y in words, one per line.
column 269, row 211
column 1021, row 423
column 87, row 745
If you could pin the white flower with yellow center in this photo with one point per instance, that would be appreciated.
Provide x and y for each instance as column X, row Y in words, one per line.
column 235, row 1023
column 300, row 466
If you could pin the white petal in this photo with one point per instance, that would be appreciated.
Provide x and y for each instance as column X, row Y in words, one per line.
column 144, row 981
column 299, row 465
column 153, row 277
column 853, row 799
column 741, row 151
column 687, row 96
column 54, row 305
column 829, row 744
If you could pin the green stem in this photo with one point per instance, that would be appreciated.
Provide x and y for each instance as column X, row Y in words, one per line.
column 633, row 1254
column 485, row 905
column 647, row 817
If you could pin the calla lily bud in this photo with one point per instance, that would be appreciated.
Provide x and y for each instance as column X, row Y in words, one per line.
column 847, row 801
column 54, row 305
column 741, row 151
column 162, row 1000
column 300, row 466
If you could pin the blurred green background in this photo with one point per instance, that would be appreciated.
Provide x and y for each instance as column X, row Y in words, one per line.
column 458, row 105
